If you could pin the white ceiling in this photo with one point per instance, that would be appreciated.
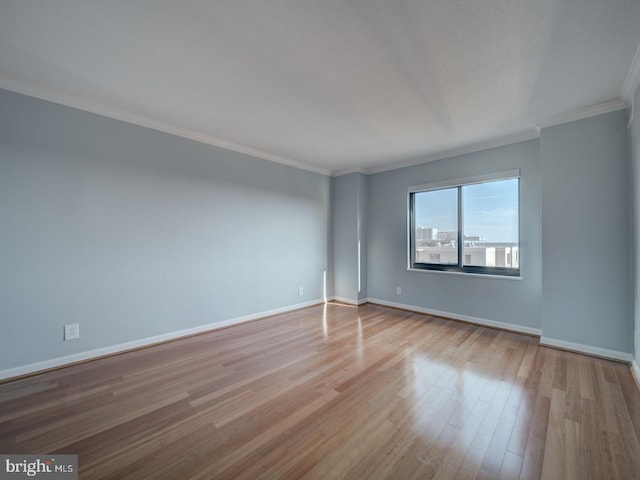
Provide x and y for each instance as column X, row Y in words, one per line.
column 329, row 85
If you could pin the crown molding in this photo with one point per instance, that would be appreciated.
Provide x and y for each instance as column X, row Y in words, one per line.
column 72, row 101
column 347, row 171
column 55, row 96
column 582, row 113
column 633, row 79
column 520, row 136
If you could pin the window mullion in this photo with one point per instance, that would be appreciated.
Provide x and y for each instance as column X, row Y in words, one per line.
column 460, row 232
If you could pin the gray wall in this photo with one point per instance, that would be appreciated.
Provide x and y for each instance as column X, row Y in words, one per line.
column 349, row 226
column 362, row 183
column 135, row 233
column 634, row 147
column 585, row 232
column 516, row 302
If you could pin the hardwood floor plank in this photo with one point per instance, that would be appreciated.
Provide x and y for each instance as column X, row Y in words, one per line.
column 534, row 453
column 572, row 467
column 554, row 447
column 334, row 391
column 511, row 466
column 497, row 449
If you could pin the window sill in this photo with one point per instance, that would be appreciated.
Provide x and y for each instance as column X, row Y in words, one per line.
column 465, row 274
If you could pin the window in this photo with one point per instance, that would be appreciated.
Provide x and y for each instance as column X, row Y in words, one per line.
column 469, row 225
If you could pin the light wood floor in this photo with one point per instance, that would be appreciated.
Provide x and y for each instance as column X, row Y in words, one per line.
column 335, row 392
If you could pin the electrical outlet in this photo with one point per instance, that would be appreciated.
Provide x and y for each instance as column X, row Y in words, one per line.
column 300, row 291
column 71, row 331
column 398, row 290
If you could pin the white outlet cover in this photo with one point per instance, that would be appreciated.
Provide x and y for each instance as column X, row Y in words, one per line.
column 71, row 331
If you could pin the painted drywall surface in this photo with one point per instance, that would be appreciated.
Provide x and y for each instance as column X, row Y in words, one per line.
column 134, row 233
column 510, row 301
column 329, row 276
column 586, row 252
column 634, row 145
column 362, row 182
column 349, row 207
column 345, row 236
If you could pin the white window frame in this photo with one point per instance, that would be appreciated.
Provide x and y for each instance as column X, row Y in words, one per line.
column 460, row 268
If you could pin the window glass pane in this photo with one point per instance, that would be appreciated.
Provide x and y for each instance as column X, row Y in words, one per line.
column 436, row 226
column 490, row 219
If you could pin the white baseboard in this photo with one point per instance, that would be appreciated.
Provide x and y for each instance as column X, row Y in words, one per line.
column 589, row 350
column 143, row 342
column 635, row 370
column 465, row 318
column 349, row 301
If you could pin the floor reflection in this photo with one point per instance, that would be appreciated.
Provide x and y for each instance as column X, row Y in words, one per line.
column 459, row 402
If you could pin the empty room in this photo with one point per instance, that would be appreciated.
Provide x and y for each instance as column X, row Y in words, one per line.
column 308, row 240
